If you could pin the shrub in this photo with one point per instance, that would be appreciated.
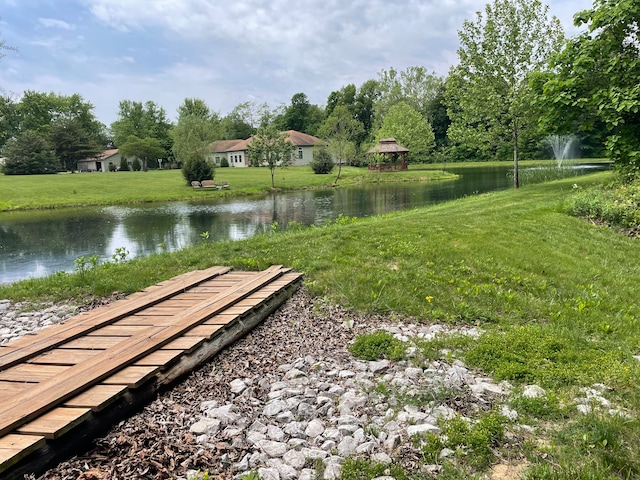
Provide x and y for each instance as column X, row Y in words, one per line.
column 224, row 162
column 376, row 345
column 124, row 165
column 322, row 162
column 196, row 170
column 136, row 166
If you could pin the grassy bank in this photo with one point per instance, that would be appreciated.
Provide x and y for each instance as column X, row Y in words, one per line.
column 73, row 190
column 555, row 296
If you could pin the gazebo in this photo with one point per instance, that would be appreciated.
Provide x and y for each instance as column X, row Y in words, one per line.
column 388, row 156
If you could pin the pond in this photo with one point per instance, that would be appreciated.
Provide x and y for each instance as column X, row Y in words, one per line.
column 35, row 244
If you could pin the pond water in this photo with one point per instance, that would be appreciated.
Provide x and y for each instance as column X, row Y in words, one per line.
column 35, row 244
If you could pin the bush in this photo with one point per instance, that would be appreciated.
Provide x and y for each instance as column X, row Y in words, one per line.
column 322, row 162
column 124, row 165
column 376, row 345
column 224, row 162
column 197, row 170
column 112, row 167
column 135, row 165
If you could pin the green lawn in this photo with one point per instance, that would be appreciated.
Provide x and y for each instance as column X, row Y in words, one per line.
column 556, row 296
column 18, row 192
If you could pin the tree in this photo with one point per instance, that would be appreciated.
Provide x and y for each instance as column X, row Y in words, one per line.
column 196, row 128
column 301, row 115
column 270, row 148
column 28, row 154
column 143, row 121
column 488, row 92
column 322, row 162
column 144, row 149
column 414, row 86
column 71, row 142
column 9, row 119
column 595, row 82
column 410, row 129
column 341, row 131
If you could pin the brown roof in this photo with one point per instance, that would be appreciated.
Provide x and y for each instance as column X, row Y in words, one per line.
column 388, row 145
column 222, row 146
column 299, row 139
column 101, row 156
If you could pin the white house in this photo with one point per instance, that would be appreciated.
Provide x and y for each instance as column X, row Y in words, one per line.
column 235, row 151
column 101, row 162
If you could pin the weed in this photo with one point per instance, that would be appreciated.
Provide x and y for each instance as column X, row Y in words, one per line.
column 377, row 345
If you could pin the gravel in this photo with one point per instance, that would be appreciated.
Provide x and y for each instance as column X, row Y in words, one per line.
column 287, row 401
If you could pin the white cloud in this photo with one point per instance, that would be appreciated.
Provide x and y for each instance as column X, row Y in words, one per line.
column 54, row 23
column 227, row 52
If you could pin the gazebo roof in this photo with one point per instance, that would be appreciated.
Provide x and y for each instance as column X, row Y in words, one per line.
column 388, row 145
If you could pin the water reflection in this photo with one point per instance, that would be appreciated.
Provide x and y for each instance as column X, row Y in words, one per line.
column 34, row 244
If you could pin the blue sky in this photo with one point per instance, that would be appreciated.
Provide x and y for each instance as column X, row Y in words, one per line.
column 225, row 51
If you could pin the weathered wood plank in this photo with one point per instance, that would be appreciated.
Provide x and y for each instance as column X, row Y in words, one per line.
column 160, row 358
column 14, row 447
column 117, row 331
column 27, row 372
column 92, row 343
column 97, row 398
column 82, row 324
column 132, row 376
column 64, row 356
column 55, row 423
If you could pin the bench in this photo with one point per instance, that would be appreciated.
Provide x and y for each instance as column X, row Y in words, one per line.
column 208, row 184
column 196, row 184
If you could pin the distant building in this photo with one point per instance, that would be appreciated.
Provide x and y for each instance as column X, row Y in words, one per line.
column 235, row 151
column 101, row 162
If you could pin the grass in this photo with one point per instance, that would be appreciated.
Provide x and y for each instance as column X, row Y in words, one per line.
column 555, row 296
column 73, row 190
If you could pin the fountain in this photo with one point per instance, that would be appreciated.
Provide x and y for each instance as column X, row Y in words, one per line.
column 562, row 147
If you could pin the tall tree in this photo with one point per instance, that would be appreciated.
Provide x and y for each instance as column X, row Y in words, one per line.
column 341, row 132
column 595, row 81
column 9, row 119
column 147, row 149
column 410, row 129
column 301, row 115
column 72, row 142
column 146, row 120
column 28, row 154
column 270, row 148
column 197, row 127
column 488, row 91
column 414, row 86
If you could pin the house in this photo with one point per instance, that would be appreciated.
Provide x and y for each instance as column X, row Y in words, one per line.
column 235, row 151
column 101, row 162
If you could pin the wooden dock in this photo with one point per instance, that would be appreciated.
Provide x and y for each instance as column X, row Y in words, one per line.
column 66, row 384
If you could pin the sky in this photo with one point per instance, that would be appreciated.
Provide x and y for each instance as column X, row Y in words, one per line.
column 226, row 52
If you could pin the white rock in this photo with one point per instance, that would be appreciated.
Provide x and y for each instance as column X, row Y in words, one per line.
column 275, row 433
column 315, row 428
column 225, row 414
column 307, row 474
column 294, row 458
column 378, row 366
column 268, row 473
column 381, row 457
column 332, row 471
column 347, row 446
column 237, row 386
column 207, row 425
column 273, row 408
column 422, row 428
column 273, row 449
column 533, row 391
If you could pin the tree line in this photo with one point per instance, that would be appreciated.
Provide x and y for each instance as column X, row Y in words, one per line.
column 517, row 81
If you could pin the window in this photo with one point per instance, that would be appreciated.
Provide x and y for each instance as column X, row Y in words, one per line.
column 300, row 153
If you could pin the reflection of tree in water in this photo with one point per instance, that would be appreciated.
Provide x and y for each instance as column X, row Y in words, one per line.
column 56, row 233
